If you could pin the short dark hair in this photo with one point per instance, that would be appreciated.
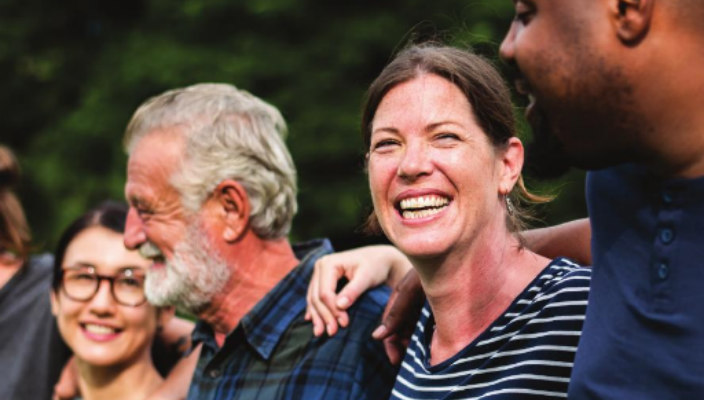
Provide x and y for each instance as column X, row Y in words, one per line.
column 110, row 214
column 480, row 83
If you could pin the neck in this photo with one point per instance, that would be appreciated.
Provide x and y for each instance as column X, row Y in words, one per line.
column 133, row 382
column 492, row 273
column 257, row 266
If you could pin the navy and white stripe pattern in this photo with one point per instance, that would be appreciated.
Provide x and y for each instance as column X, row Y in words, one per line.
column 527, row 353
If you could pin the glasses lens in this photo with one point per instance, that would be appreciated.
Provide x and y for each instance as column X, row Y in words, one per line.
column 129, row 288
column 79, row 285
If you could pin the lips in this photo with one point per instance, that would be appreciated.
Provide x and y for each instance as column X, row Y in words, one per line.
column 100, row 332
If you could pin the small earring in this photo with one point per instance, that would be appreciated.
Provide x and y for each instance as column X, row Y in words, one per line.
column 509, row 206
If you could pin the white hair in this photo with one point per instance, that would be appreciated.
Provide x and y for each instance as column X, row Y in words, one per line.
column 230, row 134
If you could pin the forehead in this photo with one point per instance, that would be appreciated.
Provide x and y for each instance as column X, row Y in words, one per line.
column 428, row 97
column 151, row 164
column 103, row 249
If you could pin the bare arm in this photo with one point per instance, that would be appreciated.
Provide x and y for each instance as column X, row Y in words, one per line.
column 571, row 239
column 368, row 267
column 365, row 268
column 176, row 384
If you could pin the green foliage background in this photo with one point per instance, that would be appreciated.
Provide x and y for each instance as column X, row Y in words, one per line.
column 73, row 71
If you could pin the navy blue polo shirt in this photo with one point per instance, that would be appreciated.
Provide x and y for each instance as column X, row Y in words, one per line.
column 643, row 337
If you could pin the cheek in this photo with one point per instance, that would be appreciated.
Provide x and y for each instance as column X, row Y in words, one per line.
column 67, row 313
column 142, row 321
column 381, row 174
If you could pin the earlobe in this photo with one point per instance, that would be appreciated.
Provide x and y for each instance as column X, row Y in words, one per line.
column 631, row 19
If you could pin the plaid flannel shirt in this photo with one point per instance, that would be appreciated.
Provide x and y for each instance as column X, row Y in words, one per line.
column 272, row 354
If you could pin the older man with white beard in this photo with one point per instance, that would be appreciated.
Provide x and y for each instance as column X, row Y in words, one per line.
column 212, row 190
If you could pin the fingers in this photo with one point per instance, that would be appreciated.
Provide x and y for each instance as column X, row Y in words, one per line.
column 321, row 298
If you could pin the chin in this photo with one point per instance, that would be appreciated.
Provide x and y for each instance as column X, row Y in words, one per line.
column 421, row 249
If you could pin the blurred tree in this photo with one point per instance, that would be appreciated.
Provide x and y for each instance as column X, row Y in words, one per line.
column 74, row 71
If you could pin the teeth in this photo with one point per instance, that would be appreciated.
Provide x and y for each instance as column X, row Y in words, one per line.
column 421, row 213
column 99, row 329
column 149, row 250
column 423, row 202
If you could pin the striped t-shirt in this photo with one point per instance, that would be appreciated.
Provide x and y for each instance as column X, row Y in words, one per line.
column 526, row 353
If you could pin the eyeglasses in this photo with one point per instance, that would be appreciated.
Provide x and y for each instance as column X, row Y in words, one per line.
column 81, row 284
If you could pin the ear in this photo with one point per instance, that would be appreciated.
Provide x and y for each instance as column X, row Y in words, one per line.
column 54, row 303
column 631, row 19
column 511, row 160
column 233, row 202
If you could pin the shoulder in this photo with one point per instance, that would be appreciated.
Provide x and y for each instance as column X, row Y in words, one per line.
column 562, row 280
column 561, row 273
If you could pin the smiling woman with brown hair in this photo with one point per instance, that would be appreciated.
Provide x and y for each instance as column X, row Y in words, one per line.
column 444, row 169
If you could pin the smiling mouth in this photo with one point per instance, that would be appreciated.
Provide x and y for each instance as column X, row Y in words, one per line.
column 422, row 206
column 100, row 329
column 150, row 251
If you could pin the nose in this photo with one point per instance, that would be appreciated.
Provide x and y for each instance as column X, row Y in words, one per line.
column 507, row 48
column 415, row 162
column 134, row 230
column 102, row 302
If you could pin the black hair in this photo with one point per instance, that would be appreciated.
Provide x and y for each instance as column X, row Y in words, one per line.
column 110, row 214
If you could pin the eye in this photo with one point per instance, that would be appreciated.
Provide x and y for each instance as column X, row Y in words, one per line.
column 130, row 278
column 447, row 136
column 383, row 144
column 83, row 276
column 79, row 274
column 524, row 12
column 131, row 282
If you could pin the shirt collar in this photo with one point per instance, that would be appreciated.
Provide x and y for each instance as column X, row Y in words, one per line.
column 264, row 325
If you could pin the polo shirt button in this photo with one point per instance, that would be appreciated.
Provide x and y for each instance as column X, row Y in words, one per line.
column 667, row 235
column 214, row 373
column 663, row 271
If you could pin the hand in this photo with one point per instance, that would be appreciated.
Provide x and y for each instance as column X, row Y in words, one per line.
column 67, row 386
column 364, row 268
column 400, row 316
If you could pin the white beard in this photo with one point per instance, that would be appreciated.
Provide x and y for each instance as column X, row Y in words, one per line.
column 192, row 278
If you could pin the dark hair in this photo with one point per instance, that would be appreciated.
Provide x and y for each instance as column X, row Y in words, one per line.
column 110, row 214
column 14, row 231
column 480, row 83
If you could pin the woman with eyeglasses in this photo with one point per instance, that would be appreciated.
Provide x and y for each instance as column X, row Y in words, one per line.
column 100, row 308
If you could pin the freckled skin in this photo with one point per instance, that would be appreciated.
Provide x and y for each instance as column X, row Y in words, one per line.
column 424, row 141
